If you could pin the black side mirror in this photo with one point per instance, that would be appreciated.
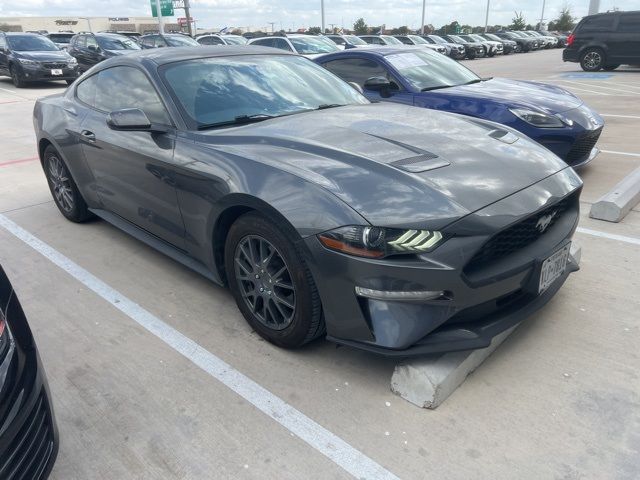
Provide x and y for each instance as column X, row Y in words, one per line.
column 379, row 84
column 132, row 119
column 356, row 87
column 93, row 48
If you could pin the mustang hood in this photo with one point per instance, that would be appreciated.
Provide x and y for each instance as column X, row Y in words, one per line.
column 394, row 164
column 515, row 93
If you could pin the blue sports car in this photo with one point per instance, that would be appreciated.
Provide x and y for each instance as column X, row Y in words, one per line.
column 550, row 115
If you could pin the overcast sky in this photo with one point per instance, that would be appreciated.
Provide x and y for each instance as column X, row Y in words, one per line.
column 304, row 13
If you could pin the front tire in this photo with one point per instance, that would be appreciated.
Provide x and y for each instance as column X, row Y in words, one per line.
column 271, row 283
column 16, row 77
column 64, row 190
column 592, row 60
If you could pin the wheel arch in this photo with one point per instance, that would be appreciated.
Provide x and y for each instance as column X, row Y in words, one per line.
column 233, row 207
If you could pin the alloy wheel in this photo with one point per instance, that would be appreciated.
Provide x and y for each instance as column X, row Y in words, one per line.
column 61, row 183
column 592, row 60
column 265, row 282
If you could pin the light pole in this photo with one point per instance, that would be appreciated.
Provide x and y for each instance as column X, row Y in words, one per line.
column 88, row 22
column 486, row 18
column 541, row 16
column 424, row 7
column 322, row 14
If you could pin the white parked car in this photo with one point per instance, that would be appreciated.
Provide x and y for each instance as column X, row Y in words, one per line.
column 308, row 45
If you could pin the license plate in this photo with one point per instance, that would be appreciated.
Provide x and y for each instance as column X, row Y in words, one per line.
column 56, row 71
column 553, row 267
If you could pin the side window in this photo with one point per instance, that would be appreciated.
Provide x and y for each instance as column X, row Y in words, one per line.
column 159, row 42
column 128, row 87
column 86, row 90
column 599, row 23
column 405, row 40
column 215, row 41
column 3, row 42
column 81, row 42
column 629, row 23
column 91, row 42
column 282, row 44
column 357, row 70
column 146, row 42
column 338, row 40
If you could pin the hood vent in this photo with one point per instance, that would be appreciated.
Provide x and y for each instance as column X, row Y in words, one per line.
column 421, row 163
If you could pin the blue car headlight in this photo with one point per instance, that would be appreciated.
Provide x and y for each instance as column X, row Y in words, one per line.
column 537, row 119
column 376, row 242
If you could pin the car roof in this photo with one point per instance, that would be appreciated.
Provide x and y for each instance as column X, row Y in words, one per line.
column 377, row 51
column 24, row 34
column 162, row 56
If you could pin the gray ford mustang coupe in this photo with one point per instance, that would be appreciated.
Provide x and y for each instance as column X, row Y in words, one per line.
column 386, row 227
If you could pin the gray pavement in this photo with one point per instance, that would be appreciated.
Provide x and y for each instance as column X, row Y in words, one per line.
column 560, row 398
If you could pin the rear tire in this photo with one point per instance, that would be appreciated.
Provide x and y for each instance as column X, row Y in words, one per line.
column 610, row 68
column 16, row 77
column 64, row 190
column 271, row 283
column 592, row 60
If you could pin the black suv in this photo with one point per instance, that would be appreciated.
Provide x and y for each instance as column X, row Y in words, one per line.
column 92, row 48
column 157, row 40
column 605, row 41
column 30, row 57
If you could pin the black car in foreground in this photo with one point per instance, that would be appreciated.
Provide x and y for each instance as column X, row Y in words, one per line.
column 28, row 432
column 605, row 41
column 29, row 57
column 372, row 223
column 90, row 49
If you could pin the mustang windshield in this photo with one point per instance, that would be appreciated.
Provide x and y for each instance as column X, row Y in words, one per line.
column 231, row 90
column 427, row 70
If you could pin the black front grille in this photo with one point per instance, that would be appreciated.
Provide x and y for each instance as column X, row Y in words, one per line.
column 582, row 147
column 519, row 235
column 54, row 65
column 28, row 453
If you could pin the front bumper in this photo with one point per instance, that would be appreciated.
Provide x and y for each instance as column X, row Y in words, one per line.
column 478, row 301
column 43, row 73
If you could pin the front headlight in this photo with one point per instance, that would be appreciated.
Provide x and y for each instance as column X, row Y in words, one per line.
column 73, row 61
column 376, row 242
column 537, row 119
column 26, row 61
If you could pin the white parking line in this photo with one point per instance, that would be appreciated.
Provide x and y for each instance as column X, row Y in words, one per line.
column 618, row 116
column 621, row 153
column 592, row 85
column 340, row 452
column 584, row 89
column 610, row 236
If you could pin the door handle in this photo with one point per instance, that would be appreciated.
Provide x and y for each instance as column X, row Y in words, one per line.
column 88, row 136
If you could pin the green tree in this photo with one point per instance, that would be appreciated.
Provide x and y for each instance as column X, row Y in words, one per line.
column 314, row 30
column 518, row 22
column 565, row 22
column 360, row 27
column 400, row 30
column 452, row 28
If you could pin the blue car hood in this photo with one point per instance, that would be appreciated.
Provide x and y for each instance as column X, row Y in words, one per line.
column 514, row 93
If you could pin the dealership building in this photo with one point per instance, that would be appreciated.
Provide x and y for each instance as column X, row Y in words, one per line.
column 83, row 24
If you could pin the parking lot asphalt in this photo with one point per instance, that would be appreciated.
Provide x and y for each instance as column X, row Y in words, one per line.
column 560, row 399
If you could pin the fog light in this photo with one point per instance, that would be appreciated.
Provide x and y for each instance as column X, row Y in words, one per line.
column 401, row 295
